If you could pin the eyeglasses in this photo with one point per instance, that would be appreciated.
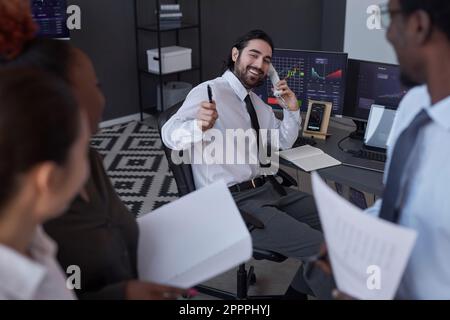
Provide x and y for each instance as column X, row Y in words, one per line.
column 387, row 14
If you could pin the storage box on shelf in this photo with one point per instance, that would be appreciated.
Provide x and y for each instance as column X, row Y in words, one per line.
column 173, row 59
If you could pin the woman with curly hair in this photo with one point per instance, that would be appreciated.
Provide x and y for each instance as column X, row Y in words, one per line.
column 16, row 27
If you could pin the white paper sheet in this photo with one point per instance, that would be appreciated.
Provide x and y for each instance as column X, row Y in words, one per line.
column 368, row 255
column 193, row 239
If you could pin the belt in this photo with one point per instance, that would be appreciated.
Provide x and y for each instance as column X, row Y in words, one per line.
column 247, row 185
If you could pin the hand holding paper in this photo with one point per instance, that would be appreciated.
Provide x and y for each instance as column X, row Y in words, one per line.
column 193, row 239
column 368, row 255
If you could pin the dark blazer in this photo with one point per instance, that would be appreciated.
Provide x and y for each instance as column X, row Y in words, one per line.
column 100, row 236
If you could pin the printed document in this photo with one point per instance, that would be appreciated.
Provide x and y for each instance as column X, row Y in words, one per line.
column 368, row 255
column 193, row 239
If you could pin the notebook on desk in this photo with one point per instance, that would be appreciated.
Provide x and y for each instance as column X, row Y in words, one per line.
column 309, row 158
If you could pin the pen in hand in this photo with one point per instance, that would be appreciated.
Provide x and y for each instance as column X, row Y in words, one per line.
column 210, row 94
column 210, row 98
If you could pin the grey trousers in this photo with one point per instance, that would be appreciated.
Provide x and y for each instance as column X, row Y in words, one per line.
column 292, row 228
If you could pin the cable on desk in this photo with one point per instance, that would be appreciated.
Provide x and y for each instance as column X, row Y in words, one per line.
column 353, row 152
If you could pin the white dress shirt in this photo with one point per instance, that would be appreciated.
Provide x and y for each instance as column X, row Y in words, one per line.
column 37, row 278
column 181, row 132
column 427, row 204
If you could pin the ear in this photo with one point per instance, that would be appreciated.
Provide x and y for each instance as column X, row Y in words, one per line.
column 422, row 27
column 45, row 179
column 235, row 54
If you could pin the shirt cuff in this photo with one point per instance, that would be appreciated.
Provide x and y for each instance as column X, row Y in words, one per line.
column 292, row 115
column 197, row 132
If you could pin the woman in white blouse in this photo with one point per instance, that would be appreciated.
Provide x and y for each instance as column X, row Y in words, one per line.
column 43, row 164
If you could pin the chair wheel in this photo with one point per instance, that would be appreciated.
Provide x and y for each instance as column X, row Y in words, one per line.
column 252, row 279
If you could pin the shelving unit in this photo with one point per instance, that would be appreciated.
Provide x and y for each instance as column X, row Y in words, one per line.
column 156, row 28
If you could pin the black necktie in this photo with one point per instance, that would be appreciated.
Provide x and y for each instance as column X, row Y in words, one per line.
column 253, row 117
column 255, row 125
column 394, row 191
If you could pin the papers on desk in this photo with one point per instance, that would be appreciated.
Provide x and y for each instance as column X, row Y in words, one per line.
column 368, row 255
column 309, row 158
column 193, row 239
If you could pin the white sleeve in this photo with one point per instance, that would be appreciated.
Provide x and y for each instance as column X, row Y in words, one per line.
column 289, row 127
column 182, row 130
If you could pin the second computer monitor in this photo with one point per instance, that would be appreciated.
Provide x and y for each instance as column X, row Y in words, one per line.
column 371, row 83
column 51, row 17
column 311, row 75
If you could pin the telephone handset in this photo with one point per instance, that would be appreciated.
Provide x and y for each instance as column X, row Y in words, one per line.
column 274, row 78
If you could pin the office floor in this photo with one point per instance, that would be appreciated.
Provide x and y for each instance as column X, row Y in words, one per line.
column 271, row 278
column 137, row 166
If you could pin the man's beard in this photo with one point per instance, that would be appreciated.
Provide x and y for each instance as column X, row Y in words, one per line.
column 245, row 75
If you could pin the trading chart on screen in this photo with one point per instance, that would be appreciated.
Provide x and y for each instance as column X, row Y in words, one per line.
column 51, row 17
column 311, row 75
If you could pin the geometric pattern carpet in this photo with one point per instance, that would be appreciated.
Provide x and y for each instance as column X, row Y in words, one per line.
column 137, row 166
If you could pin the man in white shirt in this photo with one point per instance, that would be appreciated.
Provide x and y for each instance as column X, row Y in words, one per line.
column 419, row 31
column 292, row 226
column 417, row 174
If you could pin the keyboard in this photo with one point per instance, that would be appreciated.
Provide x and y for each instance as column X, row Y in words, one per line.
column 303, row 141
column 370, row 155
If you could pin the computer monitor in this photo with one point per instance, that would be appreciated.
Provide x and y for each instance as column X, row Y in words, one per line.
column 312, row 75
column 51, row 17
column 370, row 83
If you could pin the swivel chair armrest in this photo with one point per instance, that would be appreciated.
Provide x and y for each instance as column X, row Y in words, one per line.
column 288, row 181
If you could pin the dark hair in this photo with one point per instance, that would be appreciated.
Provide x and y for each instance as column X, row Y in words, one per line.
column 16, row 27
column 438, row 10
column 19, row 46
column 39, row 121
column 242, row 42
column 50, row 55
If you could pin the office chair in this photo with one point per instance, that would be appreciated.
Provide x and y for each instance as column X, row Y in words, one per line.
column 185, row 183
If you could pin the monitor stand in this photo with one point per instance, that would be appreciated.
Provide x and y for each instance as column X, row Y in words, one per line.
column 360, row 131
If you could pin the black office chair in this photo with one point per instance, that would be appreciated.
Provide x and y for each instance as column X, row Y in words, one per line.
column 185, row 183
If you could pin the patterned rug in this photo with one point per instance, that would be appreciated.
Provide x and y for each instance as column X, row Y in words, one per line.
column 137, row 166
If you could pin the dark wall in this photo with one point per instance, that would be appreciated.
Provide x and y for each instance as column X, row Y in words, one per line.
column 333, row 25
column 108, row 37
column 291, row 24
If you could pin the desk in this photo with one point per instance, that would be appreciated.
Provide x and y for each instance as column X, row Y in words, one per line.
column 360, row 179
